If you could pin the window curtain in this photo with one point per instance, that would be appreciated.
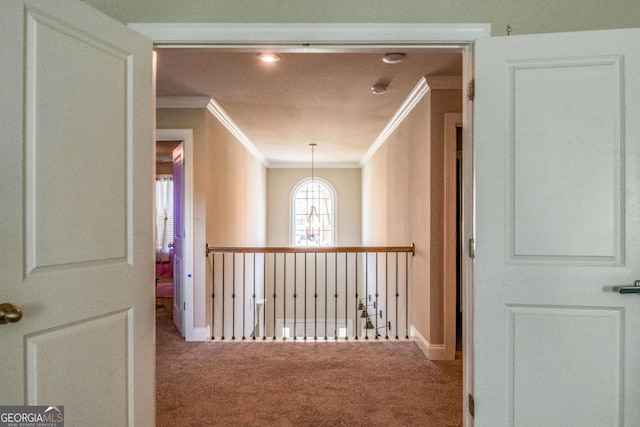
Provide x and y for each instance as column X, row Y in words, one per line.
column 164, row 218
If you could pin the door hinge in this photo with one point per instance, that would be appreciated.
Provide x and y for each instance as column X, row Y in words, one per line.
column 472, row 248
column 184, row 306
column 472, row 405
column 471, row 93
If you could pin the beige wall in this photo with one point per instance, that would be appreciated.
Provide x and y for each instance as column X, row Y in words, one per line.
column 164, row 168
column 525, row 16
column 396, row 202
column 280, row 184
column 386, row 211
column 403, row 202
column 442, row 101
column 236, row 191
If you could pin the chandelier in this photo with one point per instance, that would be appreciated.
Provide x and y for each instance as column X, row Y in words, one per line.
column 313, row 219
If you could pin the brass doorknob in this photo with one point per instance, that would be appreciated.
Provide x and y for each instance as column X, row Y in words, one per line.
column 9, row 313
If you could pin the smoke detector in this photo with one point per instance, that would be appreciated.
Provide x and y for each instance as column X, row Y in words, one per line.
column 393, row 58
column 379, row 88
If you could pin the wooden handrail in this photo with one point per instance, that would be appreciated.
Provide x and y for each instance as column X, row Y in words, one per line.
column 305, row 249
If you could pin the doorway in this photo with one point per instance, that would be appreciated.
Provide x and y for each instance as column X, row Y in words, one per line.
column 183, row 274
column 164, row 219
column 354, row 37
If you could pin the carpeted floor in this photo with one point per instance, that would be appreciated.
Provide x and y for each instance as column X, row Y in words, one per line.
column 301, row 384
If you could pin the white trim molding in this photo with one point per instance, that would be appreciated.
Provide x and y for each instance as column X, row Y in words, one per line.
column 418, row 92
column 214, row 108
column 201, row 334
column 307, row 165
column 432, row 351
column 233, row 34
column 182, row 101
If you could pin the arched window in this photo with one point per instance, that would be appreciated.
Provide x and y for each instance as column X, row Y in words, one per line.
column 313, row 213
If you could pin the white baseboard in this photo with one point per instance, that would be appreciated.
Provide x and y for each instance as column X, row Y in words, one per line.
column 432, row 351
column 199, row 334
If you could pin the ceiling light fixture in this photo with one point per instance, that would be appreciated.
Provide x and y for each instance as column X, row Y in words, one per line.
column 393, row 58
column 379, row 88
column 269, row 57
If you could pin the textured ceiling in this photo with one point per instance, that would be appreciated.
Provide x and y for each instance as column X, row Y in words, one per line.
column 321, row 98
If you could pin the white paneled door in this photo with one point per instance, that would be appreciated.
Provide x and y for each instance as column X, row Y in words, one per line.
column 557, row 150
column 76, row 207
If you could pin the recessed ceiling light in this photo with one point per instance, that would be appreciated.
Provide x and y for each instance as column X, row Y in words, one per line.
column 393, row 58
column 379, row 88
column 268, row 57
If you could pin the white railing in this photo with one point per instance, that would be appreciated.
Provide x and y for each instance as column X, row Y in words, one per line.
column 310, row 293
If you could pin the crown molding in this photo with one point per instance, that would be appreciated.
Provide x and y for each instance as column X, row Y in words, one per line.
column 407, row 106
column 218, row 112
column 418, row 92
column 214, row 108
column 307, row 165
column 182, row 101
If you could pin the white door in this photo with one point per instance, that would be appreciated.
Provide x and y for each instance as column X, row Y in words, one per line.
column 557, row 150
column 75, row 205
column 178, row 238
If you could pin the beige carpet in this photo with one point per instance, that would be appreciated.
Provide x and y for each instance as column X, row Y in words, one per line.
column 301, row 384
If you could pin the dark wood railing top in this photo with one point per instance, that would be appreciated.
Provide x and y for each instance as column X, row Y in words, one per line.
column 314, row 249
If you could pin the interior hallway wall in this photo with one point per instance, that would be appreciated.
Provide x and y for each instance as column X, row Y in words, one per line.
column 164, row 168
column 442, row 101
column 403, row 202
column 396, row 202
column 236, row 191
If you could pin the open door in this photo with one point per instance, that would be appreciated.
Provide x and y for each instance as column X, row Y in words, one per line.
column 178, row 238
column 557, row 143
column 76, row 101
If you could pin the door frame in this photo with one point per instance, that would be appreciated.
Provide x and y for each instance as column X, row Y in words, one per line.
column 189, row 293
column 349, row 37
